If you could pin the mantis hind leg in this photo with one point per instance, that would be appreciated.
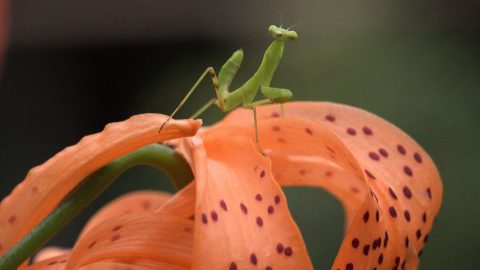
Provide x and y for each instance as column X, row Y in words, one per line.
column 256, row 130
column 274, row 95
column 216, row 86
column 253, row 106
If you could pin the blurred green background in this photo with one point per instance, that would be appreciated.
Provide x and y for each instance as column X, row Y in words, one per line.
column 73, row 66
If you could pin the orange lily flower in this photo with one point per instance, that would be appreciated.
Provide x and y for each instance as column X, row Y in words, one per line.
column 388, row 185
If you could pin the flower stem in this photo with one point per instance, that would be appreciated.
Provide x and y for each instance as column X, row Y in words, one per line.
column 156, row 155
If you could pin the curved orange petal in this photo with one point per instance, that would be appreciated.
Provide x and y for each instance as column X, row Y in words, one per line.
column 241, row 217
column 393, row 221
column 182, row 204
column 132, row 202
column 292, row 170
column 47, row 184
column 156, row 238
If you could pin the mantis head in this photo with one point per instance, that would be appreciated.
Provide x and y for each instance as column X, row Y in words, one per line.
column 281, row 33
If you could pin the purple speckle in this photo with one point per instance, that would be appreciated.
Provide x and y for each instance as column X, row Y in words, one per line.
column 367, row 131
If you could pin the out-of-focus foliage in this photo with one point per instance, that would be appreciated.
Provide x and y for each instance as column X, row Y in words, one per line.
column 72, row 67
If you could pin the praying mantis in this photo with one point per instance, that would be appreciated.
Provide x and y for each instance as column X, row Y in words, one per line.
column 244, row 96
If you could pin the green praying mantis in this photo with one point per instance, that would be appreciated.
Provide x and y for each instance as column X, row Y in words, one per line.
column 228, row 100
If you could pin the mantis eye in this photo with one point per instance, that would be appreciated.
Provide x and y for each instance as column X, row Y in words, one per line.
column 278, row 34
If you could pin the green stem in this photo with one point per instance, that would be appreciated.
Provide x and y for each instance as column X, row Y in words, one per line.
column 157, row 155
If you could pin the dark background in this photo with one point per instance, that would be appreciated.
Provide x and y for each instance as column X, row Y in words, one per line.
column 73, row 66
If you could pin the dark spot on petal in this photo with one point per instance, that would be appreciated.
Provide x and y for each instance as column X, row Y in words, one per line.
column 429, row 193
column 377, row 215
column 407, row 215
column 385, row 240
column 417, row 157
column 244, row 208
column 330, row 118
column 117, row 228
column 407, row 192
column 259, row 221
column 366, row 249
column 233, row 266
column 262, row 174
column 380, row 259
column 204, row 219
column 370, row 175
column 146, row 205
column 367, row 131
column 12, row 219
column 115, row 237
column 418, row 234
column 258, row 197
column 392, row 193
column 374, row 195
column 275, row 114
column 407, row 171
column 383, row 152
column 253, row 259
column 401, row 149
column 355, row 242
column 407, row 241
column 92, row 244
column 425, row 239
column 223, row 205
column 277, row 199
column 374, row 156
column 349, row 266
column 288, row 251
column 270, row 209
column 279, row 248
column 424, row 217
column 366, row 215
column 275, row 128
column 308, row 131
column 392, row 211
column 214, row 215
column 351, row 131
